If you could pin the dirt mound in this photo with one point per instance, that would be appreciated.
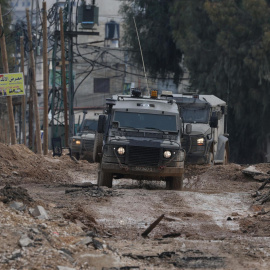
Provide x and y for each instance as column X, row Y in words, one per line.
column 20, row 165
column 223, row 177
column 257, row 226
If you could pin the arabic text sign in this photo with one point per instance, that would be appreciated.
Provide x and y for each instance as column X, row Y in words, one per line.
column 11, row 84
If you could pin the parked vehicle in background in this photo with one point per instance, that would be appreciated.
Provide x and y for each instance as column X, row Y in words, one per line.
column 204, row 119
column 140, row 138
column 81, row 145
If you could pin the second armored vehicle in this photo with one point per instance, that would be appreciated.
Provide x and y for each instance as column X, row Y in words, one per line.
column 204, row 119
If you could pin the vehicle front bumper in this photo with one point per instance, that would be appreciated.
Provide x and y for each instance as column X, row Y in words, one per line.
column 143, row 171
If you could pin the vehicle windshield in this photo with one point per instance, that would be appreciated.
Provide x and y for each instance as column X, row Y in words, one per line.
column 89, row 125
column 160, row 122
column 195, row 114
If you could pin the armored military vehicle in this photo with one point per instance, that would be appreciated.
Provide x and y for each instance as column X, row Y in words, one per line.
column 81, row 145
column 204, row 123
column 139, row 138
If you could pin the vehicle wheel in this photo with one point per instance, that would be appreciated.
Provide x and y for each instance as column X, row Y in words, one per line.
column 175, row 183
column 97, row 147
column 104, row 179
column 225, row 158
column 76, row 155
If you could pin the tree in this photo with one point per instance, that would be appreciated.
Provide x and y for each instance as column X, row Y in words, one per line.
column 161, row 56
column 226, row 48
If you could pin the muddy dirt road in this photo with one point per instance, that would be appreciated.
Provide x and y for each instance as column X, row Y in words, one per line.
column 214, row 223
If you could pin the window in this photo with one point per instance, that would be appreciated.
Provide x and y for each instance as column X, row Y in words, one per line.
column 194, row 114
column 101, row 85
column 158, row 122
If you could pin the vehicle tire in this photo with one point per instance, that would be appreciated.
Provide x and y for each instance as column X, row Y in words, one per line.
column 101, row 123
column 104, row 179
column 76, row 155
column 97, row 149
column 174, row 183
column 225, row 157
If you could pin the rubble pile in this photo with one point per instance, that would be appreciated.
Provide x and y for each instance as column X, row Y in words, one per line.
column 54, row 216
column 9, row 194
column 20, row 165
column 92, row 191
column 31, row 241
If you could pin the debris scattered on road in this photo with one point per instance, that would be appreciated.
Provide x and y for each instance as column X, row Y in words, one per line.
column 9, row 194
column 171, row 235
column 152, row 226
column 93, row 191
column 39, row 212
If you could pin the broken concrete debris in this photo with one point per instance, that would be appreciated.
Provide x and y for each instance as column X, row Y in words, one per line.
column 25, row 241
column 65, row 268
column 39, row 212
column 17, row 205
column 251, row 170
column 86, row 241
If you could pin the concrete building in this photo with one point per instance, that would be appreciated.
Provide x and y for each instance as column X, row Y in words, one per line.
column 101, row 65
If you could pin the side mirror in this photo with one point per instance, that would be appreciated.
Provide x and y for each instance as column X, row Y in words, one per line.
column 213, row 121
column 101, row 123
column 188, row 128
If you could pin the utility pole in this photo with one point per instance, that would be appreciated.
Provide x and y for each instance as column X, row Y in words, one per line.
column 35, row 99
column 6, row 70
column 64, row 86
column 70, row 77
column 23, row 107
column 45, row 80
column 69, row 34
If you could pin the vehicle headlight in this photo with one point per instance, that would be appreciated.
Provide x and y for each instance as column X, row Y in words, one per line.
column 121, row 150
column 167, row 154
column 200, row 141
column 78, row 142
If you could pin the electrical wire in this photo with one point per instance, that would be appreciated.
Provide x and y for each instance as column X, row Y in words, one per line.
column 11, row 9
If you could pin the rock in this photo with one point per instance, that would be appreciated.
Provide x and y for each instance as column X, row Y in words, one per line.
column 65, row 268
column 39, row 212
column 42, row 226
column 16, row 254
column 98, row 243
column 80, row 224
column 67, row 254
column 91, row 233
column 35, row 230
column 17, row 205
column 63, row 223
column 251, row 170
column 85, row 241
column 229, row 218
column 25, row 241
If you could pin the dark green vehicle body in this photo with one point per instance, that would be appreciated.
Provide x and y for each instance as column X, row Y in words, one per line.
column 141, row 139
